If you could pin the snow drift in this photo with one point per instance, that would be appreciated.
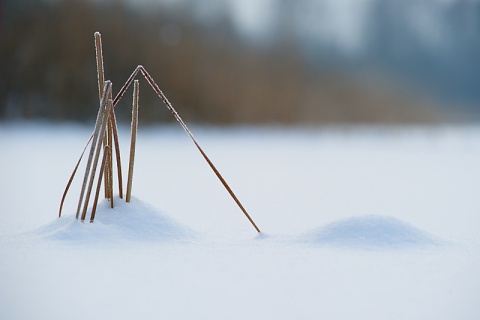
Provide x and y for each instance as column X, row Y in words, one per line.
column 126, row 221
column 371, row 232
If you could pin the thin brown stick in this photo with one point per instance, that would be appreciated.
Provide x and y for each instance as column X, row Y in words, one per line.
column 177, row 117
column 105, row 176
column 99, row 57
column 106, row 151
column 72, row 176
column 126, row 85
column 105, row 116
column 230, row 191
column 117, row 153
column 107, row 142
column 133, row 139
column 110, row 176
column 110, row 162
column 105, row 173
column 101, row 79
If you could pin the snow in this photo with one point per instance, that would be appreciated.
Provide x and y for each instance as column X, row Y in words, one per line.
column 358, row 223
column 134, row 221
column 371, row 232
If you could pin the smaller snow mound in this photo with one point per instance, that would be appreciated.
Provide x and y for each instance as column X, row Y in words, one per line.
column 126, row 221
column 371, row 232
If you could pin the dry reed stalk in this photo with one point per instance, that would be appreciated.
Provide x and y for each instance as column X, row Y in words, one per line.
column 126, row 85
column 101, row 89
column 109, row 140
column 101, row 79
column 117, row 153
column 159, row 92
column 72, row 176
column 105, row 173
column 106, row 151
column 99, row 58
column 109, row 167
column 105, row 117
column 95, row 141
column 230, row 191
column 133, row 139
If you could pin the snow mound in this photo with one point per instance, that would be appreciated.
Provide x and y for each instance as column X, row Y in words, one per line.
column 126, row 221
column 371, row 232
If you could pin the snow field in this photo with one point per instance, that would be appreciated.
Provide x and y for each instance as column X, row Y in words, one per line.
column 371, row 223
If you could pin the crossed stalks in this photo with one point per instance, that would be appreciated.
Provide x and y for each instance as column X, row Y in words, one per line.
column 105, row 138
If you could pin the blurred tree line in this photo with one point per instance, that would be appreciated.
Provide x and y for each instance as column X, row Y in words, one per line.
column 47, row 70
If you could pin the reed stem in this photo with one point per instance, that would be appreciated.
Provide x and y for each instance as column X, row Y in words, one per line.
column 72, row 176
column 117, row 153
column 99, row 57
column 133, row 139
column 109, row 167
column 105, row 173
column 110, row 157
column 167, row 103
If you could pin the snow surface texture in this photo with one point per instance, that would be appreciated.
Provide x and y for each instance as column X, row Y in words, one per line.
column 366, row 223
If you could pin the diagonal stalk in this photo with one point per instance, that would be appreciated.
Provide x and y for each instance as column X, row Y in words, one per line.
column 126, row 85
column 210, row 163
column 72, row 176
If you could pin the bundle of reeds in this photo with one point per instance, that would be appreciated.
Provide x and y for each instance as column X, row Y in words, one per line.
column 105, row 138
